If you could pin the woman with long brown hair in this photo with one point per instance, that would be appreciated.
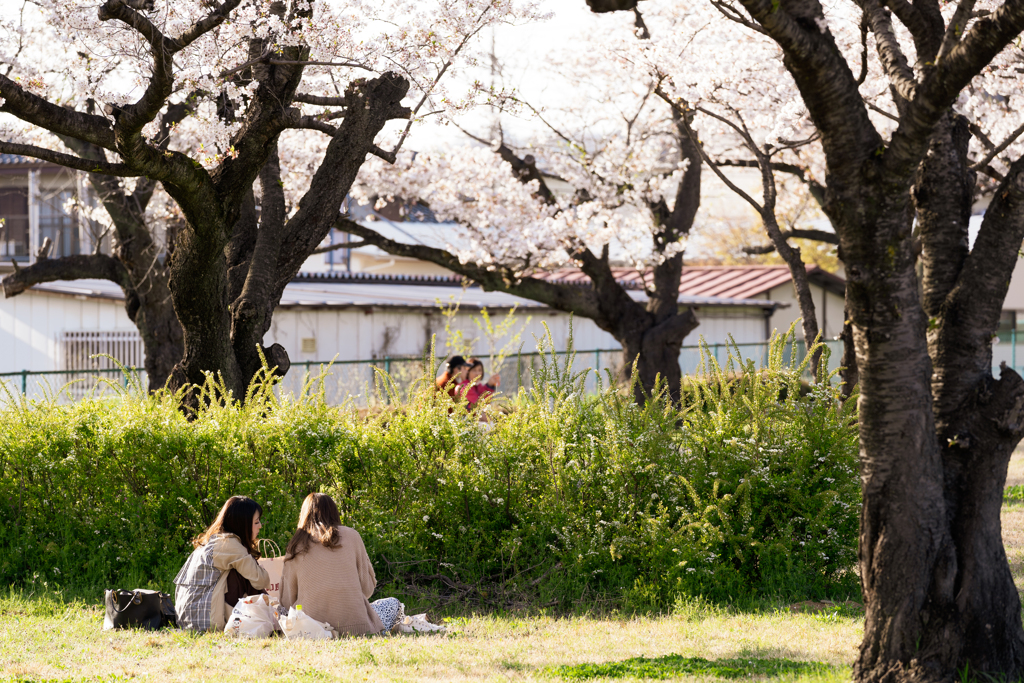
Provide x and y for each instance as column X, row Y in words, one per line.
column 223, row 567
column 328, row 572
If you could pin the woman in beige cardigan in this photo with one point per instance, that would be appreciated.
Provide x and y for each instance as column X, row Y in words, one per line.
column 327, row 571
column 222, row 569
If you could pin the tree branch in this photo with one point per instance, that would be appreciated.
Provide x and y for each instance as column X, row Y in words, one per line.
column 826, row 83
column 901, row 76
column 957, row 24
column 863, row 51
column 816, row 189
column 734, row 15
column 875, row 108
column 816, row 235
column 294, row 119
column 924, row 21
column 579, row 300
column 718, row 171
column 975, row 302
column 78, row 267
column 341, row 245
column 942, row 84
column 39, row 112
column 525, row 168
column 306, row 98
column 69, row 160
column 999, row 149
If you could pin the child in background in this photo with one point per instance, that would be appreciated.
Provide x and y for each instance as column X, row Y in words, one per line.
column 475, row 388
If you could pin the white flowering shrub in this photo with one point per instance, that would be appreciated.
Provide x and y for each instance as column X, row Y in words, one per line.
column 750, row 490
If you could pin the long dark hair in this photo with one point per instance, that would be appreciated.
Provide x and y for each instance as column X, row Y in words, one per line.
column 234, row 518
column 318, row 521
column 450, row 368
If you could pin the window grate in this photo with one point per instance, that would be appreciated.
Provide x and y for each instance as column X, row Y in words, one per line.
column 79, row 347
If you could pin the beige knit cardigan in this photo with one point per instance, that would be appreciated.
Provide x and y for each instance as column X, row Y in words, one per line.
column 333, row 585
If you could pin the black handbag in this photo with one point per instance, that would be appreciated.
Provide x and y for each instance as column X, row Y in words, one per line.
column 139, row 608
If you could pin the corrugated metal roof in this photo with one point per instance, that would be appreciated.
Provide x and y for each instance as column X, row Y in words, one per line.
column 740, row 282
column 385, row 295
column 12, row 159
column 729, row 282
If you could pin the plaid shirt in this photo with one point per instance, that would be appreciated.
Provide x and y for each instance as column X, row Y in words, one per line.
column 195, row 583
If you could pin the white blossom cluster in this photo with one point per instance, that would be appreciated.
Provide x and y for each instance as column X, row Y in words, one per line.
column 62, row 50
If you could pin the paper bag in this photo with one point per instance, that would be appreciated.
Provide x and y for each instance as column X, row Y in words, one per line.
column 273, row 562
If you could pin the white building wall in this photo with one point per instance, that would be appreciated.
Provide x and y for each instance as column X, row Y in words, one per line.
column 360, row 334
column 746, row 325
column 829, row 308
column 1015, row 294
column 32, row 323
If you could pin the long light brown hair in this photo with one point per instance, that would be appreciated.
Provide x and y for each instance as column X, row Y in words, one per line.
column 234, row 518
column 318, row 521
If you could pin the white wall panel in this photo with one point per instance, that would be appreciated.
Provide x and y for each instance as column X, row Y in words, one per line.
column 31, row 324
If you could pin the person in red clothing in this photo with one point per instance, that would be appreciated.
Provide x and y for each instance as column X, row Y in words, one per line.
column 475, row 388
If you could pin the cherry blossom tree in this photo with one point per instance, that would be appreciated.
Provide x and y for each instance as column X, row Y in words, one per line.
column 631, row 158
column 191, row 98
column 915, row 109
column 614, row 181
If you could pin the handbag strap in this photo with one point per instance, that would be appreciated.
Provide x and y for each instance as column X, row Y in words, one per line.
column 135, row 600
column 267, row 542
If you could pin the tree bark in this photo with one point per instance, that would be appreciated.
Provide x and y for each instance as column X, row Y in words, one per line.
column 655, row 350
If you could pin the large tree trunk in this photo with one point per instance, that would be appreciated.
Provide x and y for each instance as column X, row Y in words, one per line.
column 908, row 564
column 937, row 431
column 655, row 349
column 228, row 271
column 153, row 315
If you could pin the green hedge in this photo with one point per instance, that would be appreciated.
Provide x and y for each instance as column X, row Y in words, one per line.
column 750, row 491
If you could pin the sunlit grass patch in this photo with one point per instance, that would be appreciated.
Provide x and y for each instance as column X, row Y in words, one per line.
column 1014, row 495
column 673, row 666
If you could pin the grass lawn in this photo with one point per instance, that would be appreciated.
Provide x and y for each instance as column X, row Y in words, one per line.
column 43, row 638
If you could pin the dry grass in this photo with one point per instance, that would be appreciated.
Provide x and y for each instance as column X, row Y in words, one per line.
column 46, row 640
column 68, row 644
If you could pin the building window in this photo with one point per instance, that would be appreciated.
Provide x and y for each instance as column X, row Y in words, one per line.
column 14, row 212
column 56, row 223
column 79, row 347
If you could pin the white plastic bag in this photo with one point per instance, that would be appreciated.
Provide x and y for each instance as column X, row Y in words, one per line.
column 418, row 624
column 254, row 616
column 297, row 624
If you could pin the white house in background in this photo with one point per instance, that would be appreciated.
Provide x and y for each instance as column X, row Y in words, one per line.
column 342, row 316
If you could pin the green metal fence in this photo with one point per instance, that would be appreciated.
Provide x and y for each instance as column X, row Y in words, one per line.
column 356, row 380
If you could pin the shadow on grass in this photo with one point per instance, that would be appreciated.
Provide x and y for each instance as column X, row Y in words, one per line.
column 672, row 666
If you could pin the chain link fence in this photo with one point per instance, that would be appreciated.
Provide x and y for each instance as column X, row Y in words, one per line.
column 361, row 383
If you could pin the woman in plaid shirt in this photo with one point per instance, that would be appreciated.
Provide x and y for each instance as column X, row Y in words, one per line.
column 222, row 568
